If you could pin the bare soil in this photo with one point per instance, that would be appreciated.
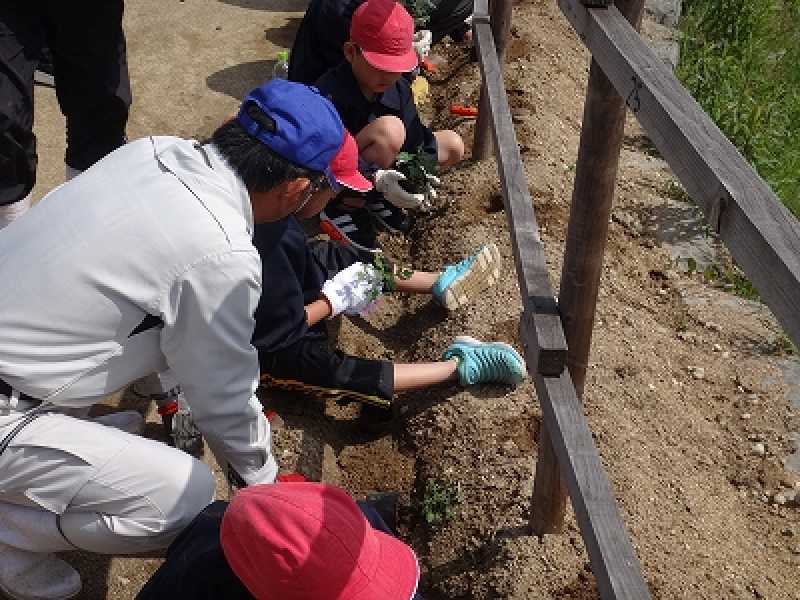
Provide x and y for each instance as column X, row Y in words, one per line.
column 685, row 379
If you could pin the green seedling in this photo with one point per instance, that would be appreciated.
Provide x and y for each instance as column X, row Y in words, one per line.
column 416, row 166
column 420, row 10
column 439, row 502
column 385, row 276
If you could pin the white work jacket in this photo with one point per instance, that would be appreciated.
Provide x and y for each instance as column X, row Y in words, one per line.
column 159, row 227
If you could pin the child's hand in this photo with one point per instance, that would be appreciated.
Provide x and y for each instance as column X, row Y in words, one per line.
column 352, row 290
column 387, row 182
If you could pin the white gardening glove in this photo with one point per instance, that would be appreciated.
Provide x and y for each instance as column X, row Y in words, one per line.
column 352, row 290
column 430, row 195
column 387, row 182
column 422, row 43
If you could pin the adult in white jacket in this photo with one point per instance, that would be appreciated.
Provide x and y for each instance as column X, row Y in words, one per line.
column 142, row 263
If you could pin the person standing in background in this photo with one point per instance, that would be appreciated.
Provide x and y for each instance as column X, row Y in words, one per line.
column 87, row 44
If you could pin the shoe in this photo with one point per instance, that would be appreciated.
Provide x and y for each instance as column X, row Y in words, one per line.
column 349, row 225
column 185, row 434
column 373, row 419
column 460, row 283
column 129, row 421
column 485, row 362
column 146, row 387
column 389, row 216
column 36, row 576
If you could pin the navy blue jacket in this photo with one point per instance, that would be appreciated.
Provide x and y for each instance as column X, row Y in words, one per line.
column 340, row 86
column 292, row 278
column 196, row 568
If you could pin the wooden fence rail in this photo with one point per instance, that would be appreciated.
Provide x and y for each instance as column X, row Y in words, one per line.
column 613, row 560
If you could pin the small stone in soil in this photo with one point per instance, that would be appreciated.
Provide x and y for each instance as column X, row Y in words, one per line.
column 759, row 449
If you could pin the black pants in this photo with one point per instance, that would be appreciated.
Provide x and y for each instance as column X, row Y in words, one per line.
column 448, row 18
column 91, row 73
column 311, row 359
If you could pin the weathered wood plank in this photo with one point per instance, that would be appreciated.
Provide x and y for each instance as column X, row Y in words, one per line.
column 549, row 500
column 613, row 559
column 500, row 20
column 761, row 234
column 546, row 347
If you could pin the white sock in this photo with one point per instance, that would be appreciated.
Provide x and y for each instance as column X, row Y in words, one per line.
column 13, row 211
column 71, row 173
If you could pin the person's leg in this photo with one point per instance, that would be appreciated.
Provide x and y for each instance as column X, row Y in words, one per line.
column 69, row 484
column 21, row 38
column 418, row 282
column 380, row 141
column 312, row 361
column 331, row 257
column 416, row 376
column 114, row 493
column 448, row 18
column 91, row 73
column 450, row 147
column 179, row 427
column 457, row 284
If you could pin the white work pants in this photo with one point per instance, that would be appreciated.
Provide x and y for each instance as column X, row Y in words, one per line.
column 115, row 493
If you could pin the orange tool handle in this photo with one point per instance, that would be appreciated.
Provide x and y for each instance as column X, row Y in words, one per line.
column 427, row 65
column 463, row 111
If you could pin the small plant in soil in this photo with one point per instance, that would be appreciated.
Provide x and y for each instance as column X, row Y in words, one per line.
column 416, row 166
column 420, row 10
column 732, row 278
column 439, row 501
column 386, row 276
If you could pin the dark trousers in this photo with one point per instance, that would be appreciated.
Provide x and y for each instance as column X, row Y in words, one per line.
column 87, row 45
column 311, row 360
column 448, row 18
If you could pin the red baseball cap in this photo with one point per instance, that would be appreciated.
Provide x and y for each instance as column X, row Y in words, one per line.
column 343, row 168
column 295, row 541
column 384, row 31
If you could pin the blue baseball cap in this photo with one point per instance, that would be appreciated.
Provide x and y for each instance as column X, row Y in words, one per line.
column 296, row 122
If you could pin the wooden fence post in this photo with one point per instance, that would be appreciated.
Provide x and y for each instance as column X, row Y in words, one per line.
column 595, row 178
column 500, row 21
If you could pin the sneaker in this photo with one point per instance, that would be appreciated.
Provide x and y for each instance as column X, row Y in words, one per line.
column 460, row 283
column 185, row 434
column 389, row 216
column 485, row 362
column 349, row 225
column 36, row 576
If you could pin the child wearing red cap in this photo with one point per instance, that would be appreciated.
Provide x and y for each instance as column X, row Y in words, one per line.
column 375, row 102
column 325, row 28
column 287, row 541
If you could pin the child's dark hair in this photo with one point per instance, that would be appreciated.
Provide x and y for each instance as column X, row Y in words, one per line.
column 260, row 168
